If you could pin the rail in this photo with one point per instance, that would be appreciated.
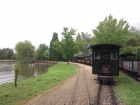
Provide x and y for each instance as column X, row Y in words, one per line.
column 86, row 99
column 74, row 89
column 106, row 95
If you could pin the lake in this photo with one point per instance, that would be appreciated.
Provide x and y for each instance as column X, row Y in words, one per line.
column 27, row 71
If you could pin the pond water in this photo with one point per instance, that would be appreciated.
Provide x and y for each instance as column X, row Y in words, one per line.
column 27, row 71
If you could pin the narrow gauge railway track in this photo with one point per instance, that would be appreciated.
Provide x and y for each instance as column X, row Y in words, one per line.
column 80, row 95
column 106, row 95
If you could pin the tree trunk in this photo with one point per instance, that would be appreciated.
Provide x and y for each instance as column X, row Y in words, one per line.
column 68, row 62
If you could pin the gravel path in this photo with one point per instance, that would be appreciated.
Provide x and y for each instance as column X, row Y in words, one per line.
column 62, row 94
column 106, row 96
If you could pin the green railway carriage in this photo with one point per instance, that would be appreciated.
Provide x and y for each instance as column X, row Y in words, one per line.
column 106, row 59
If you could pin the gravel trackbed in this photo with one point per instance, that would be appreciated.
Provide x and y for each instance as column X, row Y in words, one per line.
column 71, row 91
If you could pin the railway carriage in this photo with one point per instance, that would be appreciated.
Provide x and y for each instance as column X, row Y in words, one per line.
column 129, row 65
column 88, row 60
column 79, row 58
column 106, row 61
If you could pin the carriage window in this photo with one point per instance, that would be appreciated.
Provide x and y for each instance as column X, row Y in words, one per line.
column 114, row 54
column 96, row 54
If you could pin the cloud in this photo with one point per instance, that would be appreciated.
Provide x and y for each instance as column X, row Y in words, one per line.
column 36, row 20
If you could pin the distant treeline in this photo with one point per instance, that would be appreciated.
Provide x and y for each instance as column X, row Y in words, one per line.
column 6, row 54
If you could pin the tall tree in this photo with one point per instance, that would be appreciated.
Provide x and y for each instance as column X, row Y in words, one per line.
column 55, row 47
column 47, row 54
column 134, row 37
column 54, row 37
column 82, row 40
column 112, row 31
column 133, row 42
column 68, row 43
column 40, row 51
column 25, row 51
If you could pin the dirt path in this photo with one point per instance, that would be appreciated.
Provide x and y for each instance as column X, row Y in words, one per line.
column 62, row 94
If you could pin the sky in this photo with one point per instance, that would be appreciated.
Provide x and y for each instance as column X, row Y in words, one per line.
column 37, row 20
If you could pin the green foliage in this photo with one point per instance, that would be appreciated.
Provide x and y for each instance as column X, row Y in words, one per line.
column 133, row 42
column 134, row 31
column 16, row 70
column 128, row 90
column 6, row 54
column 55, row 37
column 133, row 37
column 25, row 51
column 68, row 43
column 81, row 42
column 112, row 31
column 29, row 88
column 46, row 54
column 41, row 51
column 55, row 48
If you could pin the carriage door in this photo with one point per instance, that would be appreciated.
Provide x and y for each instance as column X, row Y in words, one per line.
column 95, row 61
column 114, row 62
column 104, row 61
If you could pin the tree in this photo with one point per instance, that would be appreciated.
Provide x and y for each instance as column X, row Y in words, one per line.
column 133, row 37
column 54, row 37
column 46, row 54
column 133, row 42
column 112, row 31
column 25, row 51
column 55, row 48
column 82, row 40
column 68, row 43
column 6, row 53
column 40, row 51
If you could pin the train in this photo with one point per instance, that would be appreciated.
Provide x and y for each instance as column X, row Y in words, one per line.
column 130, row 66
column 106, row 62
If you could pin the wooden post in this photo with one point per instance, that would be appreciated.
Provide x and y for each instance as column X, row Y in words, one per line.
column 43, row 69
column 33, row 71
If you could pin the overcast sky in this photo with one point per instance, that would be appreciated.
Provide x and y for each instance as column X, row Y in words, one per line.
column 36, row 20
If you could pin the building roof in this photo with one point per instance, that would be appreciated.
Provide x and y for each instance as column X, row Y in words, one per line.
column 127, row 54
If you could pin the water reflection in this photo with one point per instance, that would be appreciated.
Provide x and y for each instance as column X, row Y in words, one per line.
column 26, row 71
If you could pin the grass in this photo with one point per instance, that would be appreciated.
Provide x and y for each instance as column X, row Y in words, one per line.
column 128, row 90
column 29, row 88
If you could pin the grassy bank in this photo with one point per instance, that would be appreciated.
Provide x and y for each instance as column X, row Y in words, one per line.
column 29, row 88
column 128, row 90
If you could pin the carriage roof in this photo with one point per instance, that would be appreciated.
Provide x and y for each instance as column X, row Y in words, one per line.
column 106, row 46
